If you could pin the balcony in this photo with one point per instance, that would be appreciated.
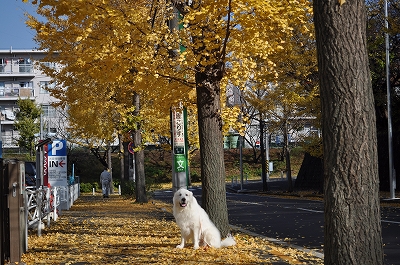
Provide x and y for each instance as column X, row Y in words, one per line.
column 16, row 92
column 14, row 70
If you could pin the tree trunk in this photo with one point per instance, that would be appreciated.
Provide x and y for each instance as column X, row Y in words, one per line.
column 211, row 146
column 121, row 156
column 110, row 167
column 140, row 191
column 287, row 157
column 352, row 213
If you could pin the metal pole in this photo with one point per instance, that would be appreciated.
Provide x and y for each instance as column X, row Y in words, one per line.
column 241, row 161
column 263, row 159
column 389, row 109
column 266, row 141
column 1, row 138
column 39, row 209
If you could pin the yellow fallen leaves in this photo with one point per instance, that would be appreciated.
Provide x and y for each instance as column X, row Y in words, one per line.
column 117, row 231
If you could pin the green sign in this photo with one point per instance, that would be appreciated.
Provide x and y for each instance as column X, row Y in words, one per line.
column 180, row 163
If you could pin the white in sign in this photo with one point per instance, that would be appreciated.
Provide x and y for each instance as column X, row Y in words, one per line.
column 57, row 163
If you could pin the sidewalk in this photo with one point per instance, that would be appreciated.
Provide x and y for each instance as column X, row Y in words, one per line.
column 118, row 231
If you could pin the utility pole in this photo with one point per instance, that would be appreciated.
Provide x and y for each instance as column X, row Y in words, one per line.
column 392, row 175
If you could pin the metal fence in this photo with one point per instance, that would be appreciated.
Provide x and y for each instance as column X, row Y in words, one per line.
column 45, row 204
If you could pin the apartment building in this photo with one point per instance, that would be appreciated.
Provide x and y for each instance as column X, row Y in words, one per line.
column 20, row 77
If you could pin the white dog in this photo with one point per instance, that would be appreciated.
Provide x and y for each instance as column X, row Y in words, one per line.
column 195, row 223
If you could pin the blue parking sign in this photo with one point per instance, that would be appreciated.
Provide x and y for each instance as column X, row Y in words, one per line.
column 58, row 148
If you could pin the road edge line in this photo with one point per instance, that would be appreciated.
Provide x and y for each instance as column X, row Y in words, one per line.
column 312, row 252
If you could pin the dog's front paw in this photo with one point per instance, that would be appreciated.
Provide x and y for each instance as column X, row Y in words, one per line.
column 179, row 246
column 195, row 247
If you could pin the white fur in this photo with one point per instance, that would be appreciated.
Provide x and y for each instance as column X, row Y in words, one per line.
column 195, row 224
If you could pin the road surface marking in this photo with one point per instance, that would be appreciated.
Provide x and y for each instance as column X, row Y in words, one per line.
column 392, row 222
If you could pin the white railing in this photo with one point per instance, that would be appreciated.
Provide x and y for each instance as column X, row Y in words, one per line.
column 45, row 204
column 41, row 204
column 68, row 195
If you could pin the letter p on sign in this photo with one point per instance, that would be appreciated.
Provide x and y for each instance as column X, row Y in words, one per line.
column 56, row 146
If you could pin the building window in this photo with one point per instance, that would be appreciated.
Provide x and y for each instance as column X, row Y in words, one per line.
column 49, row 65
column 26, row 84
column 3, row 63
column 44, row 85
column 25, row 65
column 48, row 111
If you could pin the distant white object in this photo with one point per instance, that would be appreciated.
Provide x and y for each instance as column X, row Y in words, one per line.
column 9, row 114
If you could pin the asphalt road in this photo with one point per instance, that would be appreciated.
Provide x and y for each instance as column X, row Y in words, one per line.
column 298, row 222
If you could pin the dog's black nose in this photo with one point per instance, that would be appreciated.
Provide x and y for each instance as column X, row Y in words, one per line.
column 183, row 199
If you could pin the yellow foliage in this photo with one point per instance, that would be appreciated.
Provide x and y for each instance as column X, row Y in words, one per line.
column 110, row 48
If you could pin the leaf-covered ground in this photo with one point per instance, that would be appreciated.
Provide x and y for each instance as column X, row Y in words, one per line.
column 118, row 231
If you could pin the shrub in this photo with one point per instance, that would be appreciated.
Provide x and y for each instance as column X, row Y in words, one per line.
column 195, row 177
column 86, row 187
column 128, row 188
column 96, row 186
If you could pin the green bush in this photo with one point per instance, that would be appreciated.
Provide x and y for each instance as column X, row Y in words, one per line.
column 152, row 184
column 195, row 176
column 160, row 174
column 86, row 187
column 96, row 186
column 128, row 188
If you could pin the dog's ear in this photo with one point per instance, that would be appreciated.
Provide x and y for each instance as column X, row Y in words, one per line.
column 190, row 194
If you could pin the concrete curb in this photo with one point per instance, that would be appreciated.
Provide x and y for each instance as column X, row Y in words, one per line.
column 279, row 242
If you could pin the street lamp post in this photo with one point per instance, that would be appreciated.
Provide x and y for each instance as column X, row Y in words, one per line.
column 1, row 137
column 392, row 178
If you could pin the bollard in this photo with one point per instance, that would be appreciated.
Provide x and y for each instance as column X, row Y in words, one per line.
column 119, row 189
column 94, row 192
column 55, row 204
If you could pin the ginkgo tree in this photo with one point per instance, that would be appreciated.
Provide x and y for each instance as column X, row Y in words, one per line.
column 288, row 97
column 126, row 47
column 221, row 33
column 104, row 48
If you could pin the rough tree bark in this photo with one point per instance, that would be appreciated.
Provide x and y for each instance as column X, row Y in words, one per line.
column 352, row 213
column 211, row 145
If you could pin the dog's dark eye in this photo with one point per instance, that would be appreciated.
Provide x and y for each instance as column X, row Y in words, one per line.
column 180, row 194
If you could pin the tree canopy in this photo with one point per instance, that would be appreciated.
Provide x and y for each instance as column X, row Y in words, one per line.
column 27, row 123
column 108, row 49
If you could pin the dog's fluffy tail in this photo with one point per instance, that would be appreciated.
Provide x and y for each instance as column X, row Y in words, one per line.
column 228, row 241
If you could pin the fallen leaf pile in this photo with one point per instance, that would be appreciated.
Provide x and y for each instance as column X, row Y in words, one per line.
column 118, row 231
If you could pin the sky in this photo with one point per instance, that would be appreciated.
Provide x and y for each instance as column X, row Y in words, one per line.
column 13, row 31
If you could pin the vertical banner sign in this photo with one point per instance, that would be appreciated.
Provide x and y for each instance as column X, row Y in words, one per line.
column 45, row 165
column 179, row 142
column 57, row 163
column 180, row 168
